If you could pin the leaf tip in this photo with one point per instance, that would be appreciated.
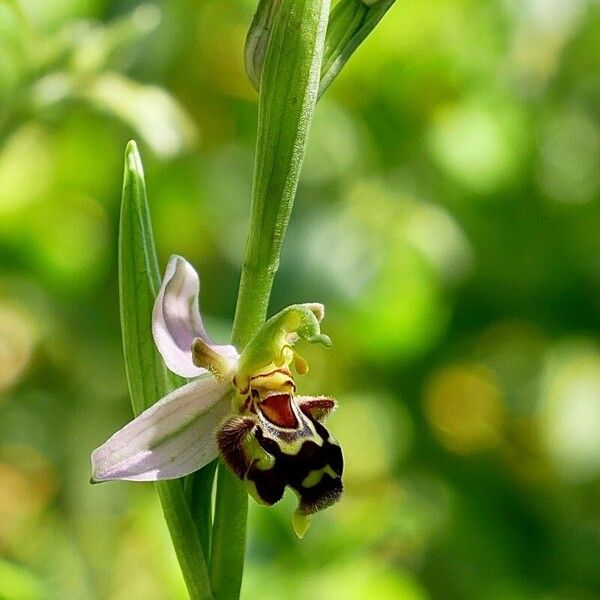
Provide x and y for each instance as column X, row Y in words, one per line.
column 133, row 163
column 131, row 147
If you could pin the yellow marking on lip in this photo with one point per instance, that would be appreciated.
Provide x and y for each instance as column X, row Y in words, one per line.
column 314, row 477
column 275, row 381
column 261, row 459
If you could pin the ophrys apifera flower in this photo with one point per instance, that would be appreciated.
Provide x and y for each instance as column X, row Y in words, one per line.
column 241, row 406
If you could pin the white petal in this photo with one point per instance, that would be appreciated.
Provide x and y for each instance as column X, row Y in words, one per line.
column 176, row 319
column 172, row 438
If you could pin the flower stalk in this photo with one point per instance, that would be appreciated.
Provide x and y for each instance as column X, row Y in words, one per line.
column 288, row 93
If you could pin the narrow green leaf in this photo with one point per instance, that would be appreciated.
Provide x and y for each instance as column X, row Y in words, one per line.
column 147, row 376
column 350, row 22
column 198, row 489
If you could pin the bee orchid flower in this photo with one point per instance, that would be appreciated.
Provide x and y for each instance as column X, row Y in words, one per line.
column 242, row 407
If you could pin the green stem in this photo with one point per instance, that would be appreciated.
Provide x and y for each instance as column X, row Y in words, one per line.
column 288, row 94
column 287, row 97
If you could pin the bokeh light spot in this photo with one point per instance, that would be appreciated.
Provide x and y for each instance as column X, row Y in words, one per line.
column 569, row 158
column 375, row 431
column 364, row 581
column 17, row 340
column 72, row 240
column 571, row 410
column 465, row 407
column 25, row 168
column 27, row 485
column 479, row 146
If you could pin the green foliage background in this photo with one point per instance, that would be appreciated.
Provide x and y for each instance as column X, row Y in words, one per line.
column 448, row 217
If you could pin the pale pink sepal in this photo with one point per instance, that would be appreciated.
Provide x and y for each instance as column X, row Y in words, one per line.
column 172, row 438
column 176, row 319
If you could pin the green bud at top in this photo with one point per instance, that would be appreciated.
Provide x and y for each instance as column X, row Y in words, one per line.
column 258, row 38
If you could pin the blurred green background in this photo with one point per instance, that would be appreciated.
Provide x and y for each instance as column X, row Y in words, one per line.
column 448, row 217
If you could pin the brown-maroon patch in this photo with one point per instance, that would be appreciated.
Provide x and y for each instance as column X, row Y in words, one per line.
column 317, row 408
column 229, row 441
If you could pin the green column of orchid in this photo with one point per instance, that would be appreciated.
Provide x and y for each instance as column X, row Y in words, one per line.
column 288, row 93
